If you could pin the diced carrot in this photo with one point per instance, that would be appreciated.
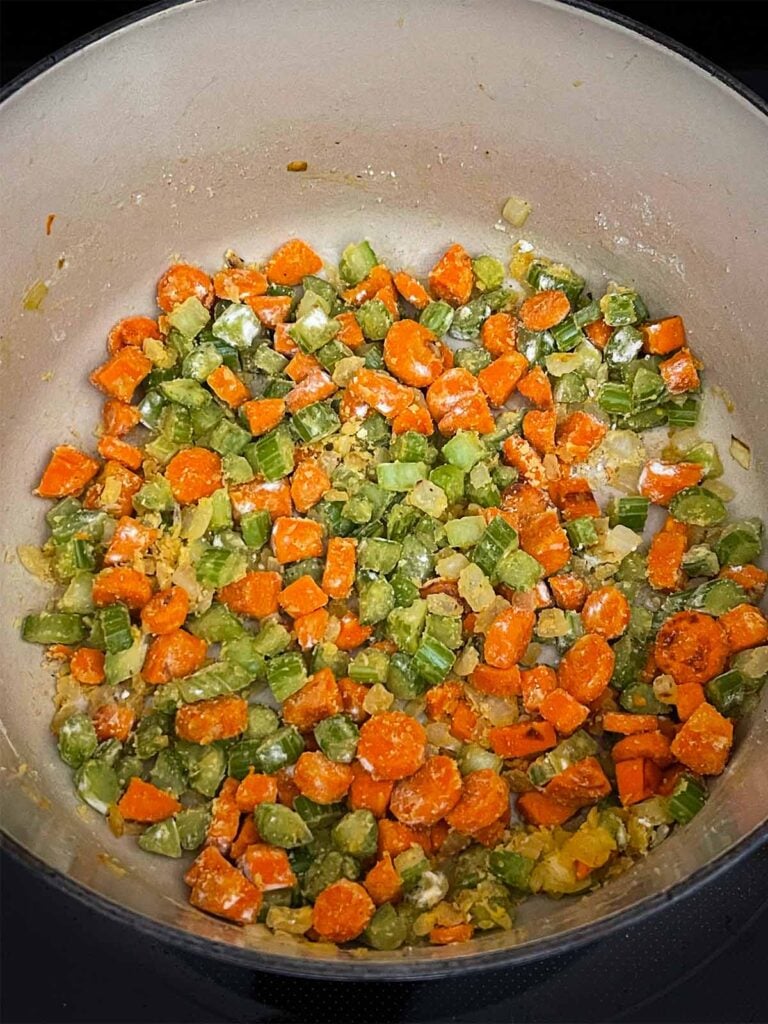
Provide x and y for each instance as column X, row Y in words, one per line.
column 353, row 698
column 429, row 794
column 113, row 722
column 544, row 310
column 745, row 626
column 342, row 911
column 451, row 278
column 321, row 779
column 392, row 745
column 367, row 793
column 574, row 497
column 635, row 780
column 568, row 590
column 380, row 391
column 651, row 745
column 114, row 489
column 295, row 539
column 522, row 739
column 410, row 289
column 704, row 742
column 469, row 413
column 500, row 378
column 165, row 611
column 599, row 333
column 606, row 611
column 563, row 711
column 688, row 696
column 267, row 867
column 144, row 802
column 350, row 332
column 519, row 453
column 227, row 386
column 319, row 698
column 273, row 496
column 535, row 684
column 661, row 481
column 237, row 284
column 500, row 682
column 499, row 333
column 464, row 721
column 210, row 720
column 579, row 435
column 119, row 418
column 586, row 668
column 293, row 261
column 692, row 647
column 225, row 817
column 173, row 656
column 272, row 310
column 522, row 500
column 122, row 373
column 67, row 473
column 664, row 336
column 544, row 812
column 255, row 789
column 442, row 701
column 628, row 724
column 383, row 882
column 679, row 372
column 302, row 597
column 316, row 386
column 113, row 448
column 87, row 666
column 583, row 782
column 395, row 838
column 351, row 633
column 301, row 366
column 445, row 935
column 484, row 798
column 247, row 836
column 194, row 473
column 369, row 287
column 130, row 538
column 219, row 888
column 388, row 297
column 311, row 628
column 412, row 354
column 539, row 429
column 665, row 556
column 255, row 595
column 751, row 577
column 542, row 537
column 287, row 790
column 133, row 330
column 121, row 584
column 282, row 342
column 180, row 282
column 536, row 387
column 508, row 637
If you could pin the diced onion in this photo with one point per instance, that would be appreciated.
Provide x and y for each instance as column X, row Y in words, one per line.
column 516, row 211
column 741, row 452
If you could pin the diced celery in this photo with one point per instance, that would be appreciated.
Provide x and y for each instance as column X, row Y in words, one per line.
column 378, row 555
column 337, row 737
column 274, row 453
column 451, row 480
column 697, row 507
column 409, row 447
column 78, row 597
column 161, row 838
column 189, row 317
column 622, row 307
column 519, row 570
column 314, row 330
column 740, row 542
column 686, row 799
column 700, row 560
column 77, row 739
column 464, row 450
column 545, row 276
column 405, row 625
column 272, row 639
column 433, row 660
column 115, row 622
column 217, row 567
column 286, row 674
column 214, row 680
column 369, row 666
column 624, row 345
column 488, row 271
column 53, row 628
column 315, row 422
column 437, row 317
column 473, row 358
column 357, row 261
column 96, row 784
column 188, row 393
column 201, row 362
column 468, row 319
column 374, row 319
column 125, row 664
column 498, row 539
column 465, row 532
column 400, row 476
column 581, row 532
column 238, row 325
column 227, row 438
column 376, row 599
column 445, row 628
column 279, row 750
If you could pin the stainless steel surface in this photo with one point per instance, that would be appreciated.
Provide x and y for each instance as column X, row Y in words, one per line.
column 417, row 120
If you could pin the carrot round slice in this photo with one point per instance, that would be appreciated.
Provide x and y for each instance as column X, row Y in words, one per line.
column 321, row 779
column 692, row 647
column 586, row 668
column 193, row 474
column 544, row 309
column 165, row 611
column 412, row 354
column 484, row 798
column 429, row 794
column 181, row 282
column 606, row 611
column 342, row 911
column 392, row 745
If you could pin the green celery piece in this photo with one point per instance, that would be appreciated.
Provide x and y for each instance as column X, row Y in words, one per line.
column 274, row 453
column 451, row 480
column 356, row 263
column 238, row 326
column 375, row 319
column 77, row 740
column 127, row 663
column 162, row 838
column 280, row 826
column 279, row 750
column 376, row 600
column 409, row 447
column 446, row 629
column 378, row 555
column 545, row 276
column 473, row 358
column 513, row 869
column 624, row 345
column 498, row 539
column 705, row 454
column 464, row 450
column 216, row 624
column 189, row 317
column 217, row 567
column 566, row 753
column 697, row 507
column 686, row 799
column 315, row 422
column 623, row 307
column 286, row 674
column 200, row 363
column 400, row 476
column 192, row 825
column 356, row 834
column 115, row 622
column 437, row 317
column 369, row 666
column 402, row 679
column 581, row 532
column 242, row 651
column 272, row 639
column 337, row 737
column 405, row 625
column 433, row 660
column 740, row 542
column 216, row 680
column 387, row 930
column 313, row 330
column 96, row 784
column 188, row 393
column 53, row 628
column 488, row 271
column 465, row 531
column 468, row 319
column 519, row 570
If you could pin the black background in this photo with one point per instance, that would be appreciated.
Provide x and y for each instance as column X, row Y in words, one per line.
column 703, row 959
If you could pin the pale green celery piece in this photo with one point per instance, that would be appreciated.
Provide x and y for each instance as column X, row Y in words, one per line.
column 464, row 532
column 126, row 664
column 189, row 317
column 201, row 362
column 238, row 325
column 77, row 739
column 400, row 476
column 488, row 271
column 464, row 450
column 279, row 825
column 96, row 784
column 405, row 625
column 162, row 838
column 429, row 498
column 78, row 597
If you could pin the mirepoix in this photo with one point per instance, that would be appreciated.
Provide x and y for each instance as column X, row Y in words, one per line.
column 389, row 602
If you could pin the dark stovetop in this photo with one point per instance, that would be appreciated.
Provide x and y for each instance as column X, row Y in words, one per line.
column 701, row 960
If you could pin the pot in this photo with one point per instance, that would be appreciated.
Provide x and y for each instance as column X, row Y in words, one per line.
column 170, row 135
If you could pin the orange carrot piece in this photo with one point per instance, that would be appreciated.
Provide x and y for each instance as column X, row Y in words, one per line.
column 392, row 745
column 665, row 556
column 316, row 386
column 536, row 387
column 679, row 372
column 429, row 794
column 414, row 293
column 321, row 779
column 688, row 696
column 654, row 746
column 523, row 739
column 119, row 418
column 500, row 682
column 445, row 935
column 664, row 336
column 469, row 413
column 606, row 611
column 301, row 366
column 544, row 310
column 122, row 373
column 227, row 386
column 273, row 496
column 583, row 783
column 628, row 724
column 272, row 310
column 263, row 414
column 113, row 722
column 342, row 911
column 353, row 699
column 484, row 798
column 293, row 261
column 225, row 818
column 539, row 429
column 133, row 330
column 194, row 473
column 542, row 537
column 127, row 454
column 180, row 282
column 369, row 287
column 114, row 489
column 255, row 595
column 130, row 538
column 412, row 354
column 350, row 332
column 395, row 838
column 442, row 701
column 255, row 789
column 586, row 668
column 380, row 391
column 508, row 637
column 388, row 297
column 319, row 698
column 691, row 647
column 464, row 721
column 500, row 378
column 633, row 781
column 451, row 278
column 383, row 883
column 563, row 711
column 67, row 473
column 87, row 666
column 287, row 790
column 599, row 333
column 574, row 497
column 211, row 720
column 238, row 284
column 311, row 628
column 121, row 583
column 367, row 793
column 578, row 436
column 745, row 626
column 568, row 590
column 661, row 481
column 219, row 888
column 753, row 579
column 295, row 539
column 247, row 836
column 173, row 656
column 522, row 500
column 541, row 810
column 302, row 597
column 267, row 867
column 165, row 611
column 519, row 453
column 499, row 333
column 351, row 633
column 144, row 802
column 535, row 684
